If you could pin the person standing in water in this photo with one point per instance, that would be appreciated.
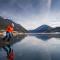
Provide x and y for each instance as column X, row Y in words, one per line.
column 8, row 37
column 9, row 30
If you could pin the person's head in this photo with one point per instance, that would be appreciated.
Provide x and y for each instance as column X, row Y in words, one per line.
column 11, row 24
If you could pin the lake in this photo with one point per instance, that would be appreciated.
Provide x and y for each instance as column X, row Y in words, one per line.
column 35, row 47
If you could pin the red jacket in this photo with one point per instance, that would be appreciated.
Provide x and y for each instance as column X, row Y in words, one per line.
column 9, row 28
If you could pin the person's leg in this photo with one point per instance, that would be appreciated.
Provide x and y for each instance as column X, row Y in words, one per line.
column 6, row 37
column 10, row 39
column 9, row 47
column 5, row 49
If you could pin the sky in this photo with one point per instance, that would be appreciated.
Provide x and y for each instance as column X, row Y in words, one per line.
column 31, row 13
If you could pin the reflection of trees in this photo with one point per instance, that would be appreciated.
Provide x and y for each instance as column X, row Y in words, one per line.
column 47, row 36
column 15, row 40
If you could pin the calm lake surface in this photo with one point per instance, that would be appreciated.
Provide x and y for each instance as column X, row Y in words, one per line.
column 35, row 47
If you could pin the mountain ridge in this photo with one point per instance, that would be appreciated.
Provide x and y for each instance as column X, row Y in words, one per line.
column 5, row 22
column 45, row 29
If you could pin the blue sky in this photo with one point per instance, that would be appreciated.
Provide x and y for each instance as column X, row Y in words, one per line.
column 31, row 13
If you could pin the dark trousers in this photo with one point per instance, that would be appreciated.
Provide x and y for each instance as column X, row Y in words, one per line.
column 8, row 37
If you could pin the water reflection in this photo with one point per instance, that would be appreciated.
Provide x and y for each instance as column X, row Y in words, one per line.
column 47, row 36
column 6, row 47
column 35, row 47
column 43, row 37
column 31, row 48
column 17, row 39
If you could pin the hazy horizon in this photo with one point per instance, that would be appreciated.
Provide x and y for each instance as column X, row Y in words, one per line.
column 31, row 13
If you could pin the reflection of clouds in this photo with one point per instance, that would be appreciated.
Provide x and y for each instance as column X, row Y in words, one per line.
column 32, row 47
column 48, row 44
column 53, row 42
column 31, row 40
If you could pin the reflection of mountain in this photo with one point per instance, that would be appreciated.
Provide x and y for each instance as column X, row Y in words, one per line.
column 43, row 37
column 43, row 28
column 56, row 29
column 47, row 36
column 5, row 22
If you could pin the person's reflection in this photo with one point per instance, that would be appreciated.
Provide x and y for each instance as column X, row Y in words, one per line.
column 9, row 51
column 7, row 48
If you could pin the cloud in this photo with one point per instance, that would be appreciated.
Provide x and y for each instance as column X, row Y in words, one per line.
column 55, row 6
column 30, row 13
column 49, row 3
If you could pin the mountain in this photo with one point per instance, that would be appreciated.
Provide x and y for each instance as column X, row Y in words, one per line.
column 43, row 28
column 56, row 29
column 5, row 22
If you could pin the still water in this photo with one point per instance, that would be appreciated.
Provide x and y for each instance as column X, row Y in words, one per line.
column 35, row 47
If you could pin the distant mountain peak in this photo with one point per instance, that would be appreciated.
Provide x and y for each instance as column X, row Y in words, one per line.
column 42, row 28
